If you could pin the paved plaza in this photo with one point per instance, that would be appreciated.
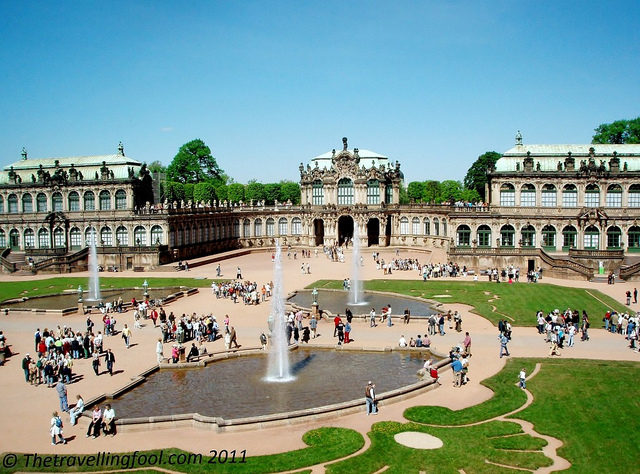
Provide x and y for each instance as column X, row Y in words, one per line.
column 26, row 409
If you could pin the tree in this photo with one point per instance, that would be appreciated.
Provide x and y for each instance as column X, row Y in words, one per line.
column 415, row 191
column 157, row 167
column 235, row 192
column 289, row 191
column 618, row 132
column 204, row 192
column 173, row 191
column 272, row 191
column 476, row 177
column 194, row 164
column 255, row 191
column 431, row 191
column 188, row 191
column 222, row 193
column 450, row 190
column 403, row 198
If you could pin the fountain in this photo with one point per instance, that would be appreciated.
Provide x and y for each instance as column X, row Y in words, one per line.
column 278, row 367
column 356, row 296
column 94, row 278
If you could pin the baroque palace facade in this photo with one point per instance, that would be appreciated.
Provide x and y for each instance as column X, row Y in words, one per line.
column 569, row 209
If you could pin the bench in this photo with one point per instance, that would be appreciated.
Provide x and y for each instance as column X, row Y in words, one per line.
column 138, row 269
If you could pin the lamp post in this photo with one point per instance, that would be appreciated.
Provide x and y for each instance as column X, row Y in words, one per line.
column 145, row 293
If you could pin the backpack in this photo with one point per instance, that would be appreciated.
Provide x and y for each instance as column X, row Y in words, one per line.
column 58, row 422
column 367, row 391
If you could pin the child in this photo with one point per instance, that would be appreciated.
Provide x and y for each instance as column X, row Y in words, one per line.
column 523, row 379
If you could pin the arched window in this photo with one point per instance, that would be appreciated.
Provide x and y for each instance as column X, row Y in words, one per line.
column 614, row 238
column 200, row 234
column 89, row 201
column 373, row 191
column 14, row 239
column 345, row 192
column 317, row 193
column 569, row 238
column 140, row 236
column 436, row 226
column 27, row 203
column 427, row 226
column 58, row 238
column 484, row 236
column 614, row 195
column 106, row 236
column 236, row 228
column 172, row 237
column 75, row 238
column 296, row 226
column 43, row 239
column 591, row 238
column 12, row 201
column 592, row 196
column 105, row 200
column 56, row 202
column 528, row 195
column 74, row 201
column 246, row 228
column 415, row 226
column 507, row 195
column 283, row 226
column 444, row 227
column 156, row 235
column 90, row 236
column 41, row 202
column 122, row 236
column 528, row 236
column 271, row 227
column 121, row 199
column 549, row 237
column 549, row 196
column 463, row 236
column 404, row 226
column 3, row 239
column 180, row 235
column 507, row 236
column 633, row 236
column 634, row 195
column 29, row 239
column 257, row 228
column 570, row 196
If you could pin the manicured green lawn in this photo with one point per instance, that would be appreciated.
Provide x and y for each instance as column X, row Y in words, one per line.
column 495, row 301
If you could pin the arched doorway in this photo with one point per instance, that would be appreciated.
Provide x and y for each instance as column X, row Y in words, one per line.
column 345, row 229
column 318, row 230
column 373, row 231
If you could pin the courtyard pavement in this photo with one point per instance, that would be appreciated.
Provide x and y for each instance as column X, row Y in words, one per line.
column 25, row 410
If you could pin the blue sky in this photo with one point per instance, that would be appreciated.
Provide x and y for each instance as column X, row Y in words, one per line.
column 270, row 84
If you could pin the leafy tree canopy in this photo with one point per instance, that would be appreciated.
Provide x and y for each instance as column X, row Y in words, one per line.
column 157, row 166
column 431, row 192
column 289, row 191
column 255, row 191
column 476, row 177
column 618, row 132
column 194, row 163
column 272, row 191
column 235, row 192
column 415, row 191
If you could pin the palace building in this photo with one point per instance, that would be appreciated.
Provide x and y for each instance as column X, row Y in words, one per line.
column 570, row 209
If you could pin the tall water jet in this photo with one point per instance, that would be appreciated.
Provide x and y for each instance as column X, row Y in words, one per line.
column 356, row 295
column 94, row 278
column 279, row 369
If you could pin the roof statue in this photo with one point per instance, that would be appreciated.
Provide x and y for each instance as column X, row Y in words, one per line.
column 24, row 153
column 518, row 138
column 344, row 143
column 120, row 149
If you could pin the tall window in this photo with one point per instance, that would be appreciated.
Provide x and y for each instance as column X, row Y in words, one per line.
column 570, row 196
column 89, row 201
column 634, row 195
column 528, row 195
column 29, row 239
column 121, row 199
column 528, row 236
column 236, row 228
column 415, row 226
column 404, row 226
column 257, row 228
column 427, row 226
column 74, row 201
column 140, row 236
column 388, row 194
column 614, row 195
column 122, row 236
column 444, row 227
column 373, row 191
column 75, row 238
column 271, row 227
column 484, row 236
column 548, row 198
column 56, row 202
column 41, row 203
column 614, row 237
column 3, row 239
column 27, row 203
column 507, row 195
column 156, row 235
column 463, row 236
column 1, row 204
column 283, row 226
column 246, row 228
column 549, row 237
column 90, row 236
column 296, row 226
column 317, row 193
column 106, row 236
column 633, row 235
column 591, row 238
column 345, row 192
column 592, row 196
column 105, row 200
column 12, row 200
column 436, row 226
column 43, row 239
column 569, row 238
column 507, row 236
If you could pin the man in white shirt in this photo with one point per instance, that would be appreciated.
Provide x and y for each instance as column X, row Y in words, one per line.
column 402, row 342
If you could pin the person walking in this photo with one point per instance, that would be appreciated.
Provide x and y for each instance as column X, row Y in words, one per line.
column 370, row 397
column 372, row 318
column 160, row 351
column 503, row 345
column 56, row 429
column 110, row 359
column 523, row 379
column 126, row 335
